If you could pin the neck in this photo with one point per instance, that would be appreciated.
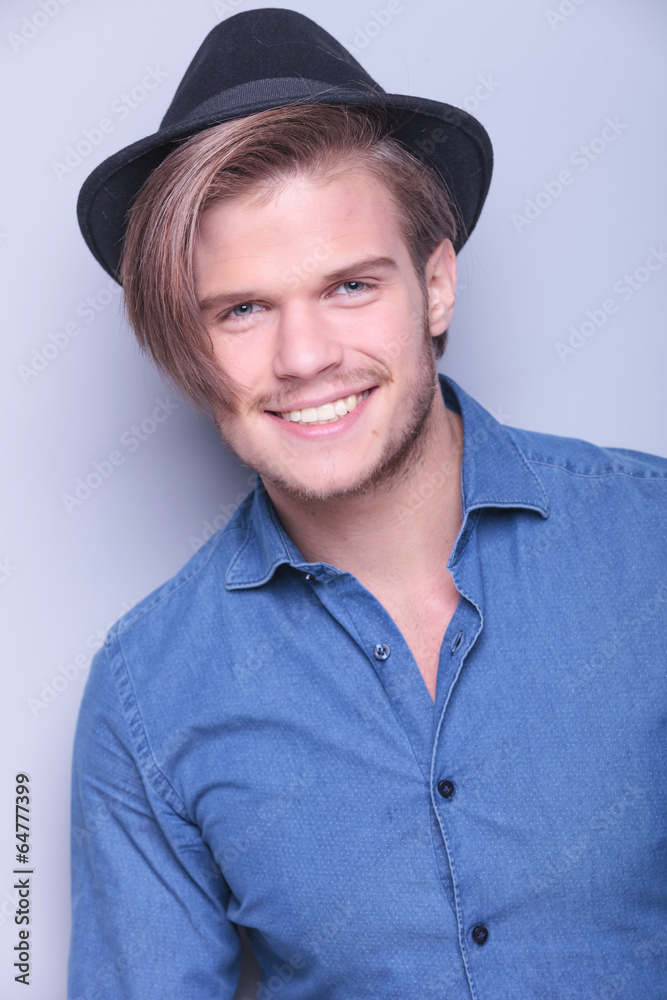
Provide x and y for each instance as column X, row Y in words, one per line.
column 402, row 529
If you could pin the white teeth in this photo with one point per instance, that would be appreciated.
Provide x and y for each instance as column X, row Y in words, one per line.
column 328, row 413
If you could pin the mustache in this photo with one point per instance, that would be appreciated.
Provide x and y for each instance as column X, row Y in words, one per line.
column 366, row 376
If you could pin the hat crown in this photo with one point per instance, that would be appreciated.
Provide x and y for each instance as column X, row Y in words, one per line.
column 274, row 57
column 267, row 44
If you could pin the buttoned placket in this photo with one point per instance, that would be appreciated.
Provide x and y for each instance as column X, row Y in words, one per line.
column 388, row 654
column 448, row 787
column 365, row 618
column 370, row 625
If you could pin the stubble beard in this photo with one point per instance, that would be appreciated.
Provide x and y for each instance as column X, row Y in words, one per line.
column 400, row 457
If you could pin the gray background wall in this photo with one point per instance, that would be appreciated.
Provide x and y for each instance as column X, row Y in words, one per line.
column 544, row 76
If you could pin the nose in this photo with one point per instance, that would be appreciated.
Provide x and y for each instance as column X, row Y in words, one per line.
column 306, row 343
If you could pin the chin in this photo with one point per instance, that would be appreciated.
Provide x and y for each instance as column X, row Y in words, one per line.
column 314, row 490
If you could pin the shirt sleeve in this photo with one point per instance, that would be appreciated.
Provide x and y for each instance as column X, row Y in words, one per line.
column 149, row 902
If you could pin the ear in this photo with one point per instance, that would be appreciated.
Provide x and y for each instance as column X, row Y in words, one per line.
column 440, row 273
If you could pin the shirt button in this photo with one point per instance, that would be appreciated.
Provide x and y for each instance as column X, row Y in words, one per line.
column 308, row 576
column 446, row 788
column 457, row 642
column 479, row 934
column 381, row 651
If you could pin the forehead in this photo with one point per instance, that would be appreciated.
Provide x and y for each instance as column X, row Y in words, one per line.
column 302, row 219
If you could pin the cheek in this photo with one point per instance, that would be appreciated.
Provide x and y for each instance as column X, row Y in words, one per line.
column 386, row 327
column 397, row 335
column 406, row 311
column 244, row 361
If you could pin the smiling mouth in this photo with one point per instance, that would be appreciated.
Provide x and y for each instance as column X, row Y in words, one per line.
column 328, row 413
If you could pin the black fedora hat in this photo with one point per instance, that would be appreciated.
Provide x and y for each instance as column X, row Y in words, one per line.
column 266, row 58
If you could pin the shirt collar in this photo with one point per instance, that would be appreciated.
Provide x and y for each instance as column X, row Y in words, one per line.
column 494, row 473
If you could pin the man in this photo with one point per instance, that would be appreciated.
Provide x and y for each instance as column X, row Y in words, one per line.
column 403, row 718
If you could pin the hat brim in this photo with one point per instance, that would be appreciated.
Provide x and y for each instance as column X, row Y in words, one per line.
column 447, row 139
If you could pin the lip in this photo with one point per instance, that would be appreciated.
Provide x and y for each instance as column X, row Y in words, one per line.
column 313, row 432
column 323, row 400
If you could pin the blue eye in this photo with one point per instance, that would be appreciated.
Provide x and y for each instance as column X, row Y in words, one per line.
column 353, row 286
column 242, row 309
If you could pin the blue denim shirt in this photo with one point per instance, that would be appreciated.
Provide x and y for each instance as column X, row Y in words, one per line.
column 256, row 746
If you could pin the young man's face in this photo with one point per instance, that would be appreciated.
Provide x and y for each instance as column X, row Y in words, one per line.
column 314, row 310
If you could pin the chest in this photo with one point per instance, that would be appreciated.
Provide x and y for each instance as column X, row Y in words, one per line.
column 303, row 770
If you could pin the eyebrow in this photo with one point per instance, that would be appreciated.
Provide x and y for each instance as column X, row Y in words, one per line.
column 357, row 267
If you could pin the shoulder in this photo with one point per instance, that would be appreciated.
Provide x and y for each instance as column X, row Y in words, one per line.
column 168, row 649
column 575, row 457
column 162, row 658
column 606, row 516
column 198, row 583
